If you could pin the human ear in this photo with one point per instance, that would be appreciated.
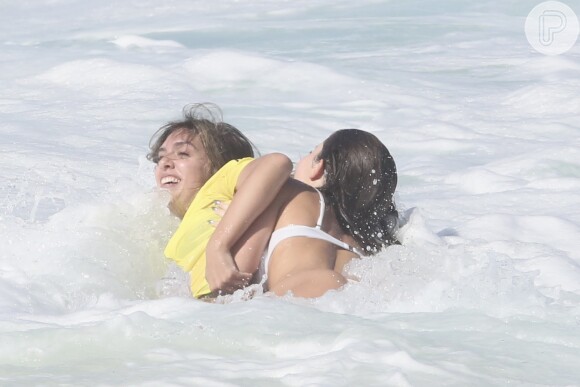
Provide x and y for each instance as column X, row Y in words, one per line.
column 317, row 171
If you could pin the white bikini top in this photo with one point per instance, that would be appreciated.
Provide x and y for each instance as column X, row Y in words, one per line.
column 297, row 230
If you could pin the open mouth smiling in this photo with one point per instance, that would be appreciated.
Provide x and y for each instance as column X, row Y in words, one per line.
column 169, row 181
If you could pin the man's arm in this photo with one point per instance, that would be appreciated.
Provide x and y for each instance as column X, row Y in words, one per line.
column 246, row 226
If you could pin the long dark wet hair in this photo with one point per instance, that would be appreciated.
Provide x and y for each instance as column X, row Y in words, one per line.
column 360, row 182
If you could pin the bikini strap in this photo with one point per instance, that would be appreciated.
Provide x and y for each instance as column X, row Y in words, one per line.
column 322, row 208
column 344, row 245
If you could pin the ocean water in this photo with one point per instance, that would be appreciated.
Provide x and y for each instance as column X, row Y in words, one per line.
column 485, row 289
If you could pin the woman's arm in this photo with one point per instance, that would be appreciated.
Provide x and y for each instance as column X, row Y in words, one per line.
column 238, row 231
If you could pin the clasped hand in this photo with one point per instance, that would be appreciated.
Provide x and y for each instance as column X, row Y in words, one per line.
column 221, row 272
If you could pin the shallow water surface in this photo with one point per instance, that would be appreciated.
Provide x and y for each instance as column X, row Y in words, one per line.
column 484, row 290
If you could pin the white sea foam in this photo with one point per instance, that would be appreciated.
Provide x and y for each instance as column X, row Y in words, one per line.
column 135, row 41
column 483, row 290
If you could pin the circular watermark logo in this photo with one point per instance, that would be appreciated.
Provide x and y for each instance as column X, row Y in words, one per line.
column 552, row 28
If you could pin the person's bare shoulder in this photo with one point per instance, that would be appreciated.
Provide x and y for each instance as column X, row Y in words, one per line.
column 300, row 204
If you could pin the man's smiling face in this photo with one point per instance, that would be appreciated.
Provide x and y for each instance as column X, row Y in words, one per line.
column 182, row 168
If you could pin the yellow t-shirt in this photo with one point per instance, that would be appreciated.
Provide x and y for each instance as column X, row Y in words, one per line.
column 187, row 246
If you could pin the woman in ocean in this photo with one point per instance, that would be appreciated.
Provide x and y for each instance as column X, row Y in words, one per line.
column 338, row 206
column 314, row 231
column 200, row 159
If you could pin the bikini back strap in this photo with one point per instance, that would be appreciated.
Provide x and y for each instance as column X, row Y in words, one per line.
column 322, row 209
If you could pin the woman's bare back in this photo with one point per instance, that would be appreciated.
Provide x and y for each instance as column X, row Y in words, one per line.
column 305, row 265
